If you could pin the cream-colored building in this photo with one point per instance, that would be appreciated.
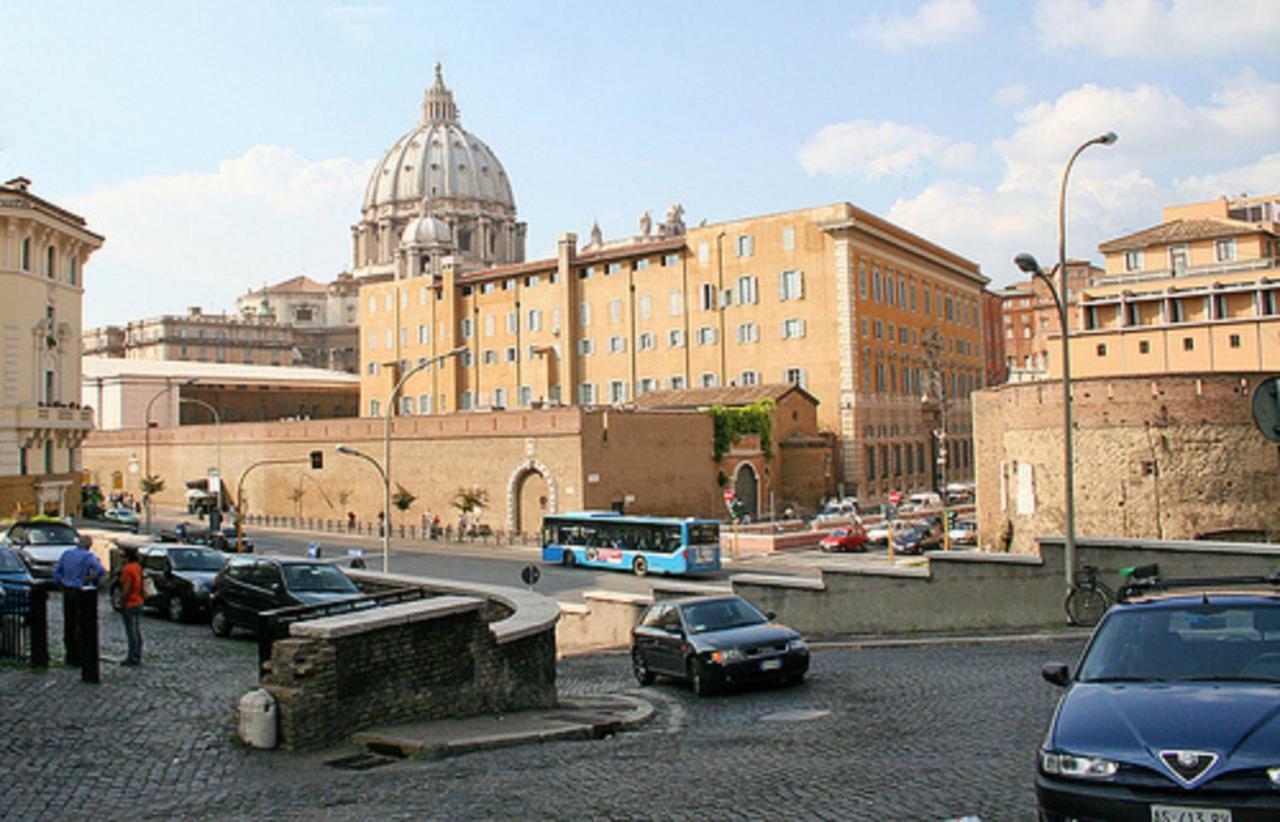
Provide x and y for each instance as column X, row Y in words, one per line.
column 322, row 315
column 197, row 337
column 831, row 298
column 1198, row 293
column 43, row 251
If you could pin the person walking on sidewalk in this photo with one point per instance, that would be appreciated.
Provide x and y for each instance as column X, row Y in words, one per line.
column 131, row 604
column 76, row 569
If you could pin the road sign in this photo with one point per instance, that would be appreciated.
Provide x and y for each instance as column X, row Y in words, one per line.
column 728, row 495
column 530, row 575
column 894, row 497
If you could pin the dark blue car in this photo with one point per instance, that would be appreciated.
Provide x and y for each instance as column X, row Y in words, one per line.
column 15, row 583
column 1173, row 714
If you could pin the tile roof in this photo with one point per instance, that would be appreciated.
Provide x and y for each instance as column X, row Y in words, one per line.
column 295, row 284
column 1178, row 231
column 706, row 397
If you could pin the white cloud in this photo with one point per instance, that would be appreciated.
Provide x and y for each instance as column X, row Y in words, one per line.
column 937, row 21
column 1012, row 95
column 1154, row 29
column 204, row 238
column 1113, row 190
column 875, row 149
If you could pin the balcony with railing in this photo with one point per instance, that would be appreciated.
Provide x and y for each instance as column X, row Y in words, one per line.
column 1213, row 270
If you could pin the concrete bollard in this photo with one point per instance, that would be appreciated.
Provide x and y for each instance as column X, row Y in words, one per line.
column 258, row 719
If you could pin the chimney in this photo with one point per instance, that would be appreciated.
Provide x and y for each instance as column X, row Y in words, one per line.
column 20, row 183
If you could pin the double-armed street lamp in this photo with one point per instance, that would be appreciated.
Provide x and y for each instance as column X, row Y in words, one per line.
column 1028, row 264
column 146, row 421
column 384, row 468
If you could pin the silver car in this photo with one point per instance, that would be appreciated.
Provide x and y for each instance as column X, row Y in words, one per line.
column 41, row 544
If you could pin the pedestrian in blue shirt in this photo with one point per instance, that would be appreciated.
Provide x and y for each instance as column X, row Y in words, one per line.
column 76, row 569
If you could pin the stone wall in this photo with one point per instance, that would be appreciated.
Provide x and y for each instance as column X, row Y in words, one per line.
column 969, row 590
column 448, row 656
column 1156, row 458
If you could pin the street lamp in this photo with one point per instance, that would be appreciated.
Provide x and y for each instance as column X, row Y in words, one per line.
column 384, row 469
column 146, row 476
column 215, row 518
column 1028, row 264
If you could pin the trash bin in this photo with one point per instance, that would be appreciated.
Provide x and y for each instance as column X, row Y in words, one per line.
column 258, row 719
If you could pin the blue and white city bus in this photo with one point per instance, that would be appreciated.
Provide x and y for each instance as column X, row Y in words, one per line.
column 606, row 539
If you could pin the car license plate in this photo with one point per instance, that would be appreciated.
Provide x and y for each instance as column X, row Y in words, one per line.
column 775, row 664
column 1175, row 813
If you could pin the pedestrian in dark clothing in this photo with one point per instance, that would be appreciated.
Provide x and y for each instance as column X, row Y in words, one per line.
column 131, row 604
column 76, row 569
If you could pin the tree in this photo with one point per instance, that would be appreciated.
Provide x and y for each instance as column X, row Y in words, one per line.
column 402, row 499
column 295, row 495
column 471, row 499
column 151, row 485
column 344, row 496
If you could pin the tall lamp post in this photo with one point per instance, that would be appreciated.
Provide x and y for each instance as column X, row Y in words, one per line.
column 146, row 422
column 1029, row 265
column 215, row 518
column 384, row 469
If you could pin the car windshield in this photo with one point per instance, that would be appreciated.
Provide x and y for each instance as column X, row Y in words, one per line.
column 1208, row 642
column 839, row 532
column 196, row 559
column 51, row 535
column 721, row 614
column 10, row 562
column 318, row 578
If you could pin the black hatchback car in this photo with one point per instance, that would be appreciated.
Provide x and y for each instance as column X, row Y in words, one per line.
column 247, row 586
column 715, row 641
column 181, row 577
column 1174, row 712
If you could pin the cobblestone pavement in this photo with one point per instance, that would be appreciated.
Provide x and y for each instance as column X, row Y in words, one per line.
column 923, row 732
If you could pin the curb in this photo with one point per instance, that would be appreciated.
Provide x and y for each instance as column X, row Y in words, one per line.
column 575, row 717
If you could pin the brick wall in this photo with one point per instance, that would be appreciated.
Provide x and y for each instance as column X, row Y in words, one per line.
column 416, row 661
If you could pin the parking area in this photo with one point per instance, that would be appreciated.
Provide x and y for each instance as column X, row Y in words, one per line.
column 929, row 731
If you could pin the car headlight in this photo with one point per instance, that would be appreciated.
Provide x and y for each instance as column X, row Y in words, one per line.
column 797, row 644
column 727, row 656
column 1077, row 767
column 1274, row 775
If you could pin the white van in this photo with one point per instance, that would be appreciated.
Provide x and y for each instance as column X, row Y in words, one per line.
column 925, row 499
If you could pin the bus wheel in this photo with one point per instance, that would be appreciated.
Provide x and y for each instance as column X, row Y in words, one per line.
column 569, row 559
column 640, row 566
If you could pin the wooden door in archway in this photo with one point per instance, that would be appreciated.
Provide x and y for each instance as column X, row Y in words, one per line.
column 746, row 489
column 532, row 494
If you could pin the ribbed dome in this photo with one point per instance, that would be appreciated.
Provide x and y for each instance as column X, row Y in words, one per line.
column 426, row 231
column 438, row 160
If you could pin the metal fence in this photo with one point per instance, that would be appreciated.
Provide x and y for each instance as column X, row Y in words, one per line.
column 482, row 534
column 274, row 624
column 24, row 623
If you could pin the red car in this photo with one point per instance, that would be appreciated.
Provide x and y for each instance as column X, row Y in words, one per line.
column 851, row 538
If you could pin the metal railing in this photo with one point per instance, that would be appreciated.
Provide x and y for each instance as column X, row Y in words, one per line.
column 483, row 534
column 24, row 623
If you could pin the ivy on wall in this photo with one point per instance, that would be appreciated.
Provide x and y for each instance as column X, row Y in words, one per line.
column 732, row 423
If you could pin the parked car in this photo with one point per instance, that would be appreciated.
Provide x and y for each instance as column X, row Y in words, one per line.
column 181, row 576
column 223, row 539
column 41, row 544
column 15, row 583
column 714, row 641
column 121, row 516
column 1171, row 713
column 964, row 532
column 844, row 509
column 850, row 538
column 247, row 586
column 879, row 534
column 917, row 539
column 921, row 500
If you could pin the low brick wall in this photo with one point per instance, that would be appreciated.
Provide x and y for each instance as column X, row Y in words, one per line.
column 436, row 658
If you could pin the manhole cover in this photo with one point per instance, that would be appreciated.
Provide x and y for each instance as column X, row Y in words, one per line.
column 797, row 715
column 360, row 762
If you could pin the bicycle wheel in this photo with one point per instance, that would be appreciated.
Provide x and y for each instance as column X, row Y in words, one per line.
column 1085, row 606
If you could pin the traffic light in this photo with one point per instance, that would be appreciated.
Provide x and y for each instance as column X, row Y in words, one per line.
column 950, row 519
column 317, row 459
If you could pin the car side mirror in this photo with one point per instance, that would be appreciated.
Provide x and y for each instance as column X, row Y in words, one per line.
column 770, row 615
column 676, row 630
column 1056, row 673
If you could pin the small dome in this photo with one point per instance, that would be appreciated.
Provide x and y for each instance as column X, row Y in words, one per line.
column 426, row 231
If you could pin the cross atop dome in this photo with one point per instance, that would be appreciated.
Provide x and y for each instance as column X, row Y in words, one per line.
column 437, row 103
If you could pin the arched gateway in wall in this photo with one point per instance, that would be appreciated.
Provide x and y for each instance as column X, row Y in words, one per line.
column 746, row 488
column 531, row 493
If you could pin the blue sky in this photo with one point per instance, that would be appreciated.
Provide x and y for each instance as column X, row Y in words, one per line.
column 220, row 145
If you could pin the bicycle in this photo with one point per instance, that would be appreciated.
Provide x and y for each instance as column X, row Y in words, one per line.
column 1089, row 598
